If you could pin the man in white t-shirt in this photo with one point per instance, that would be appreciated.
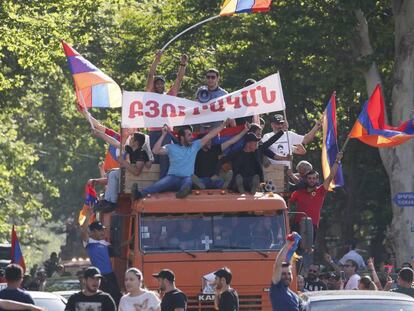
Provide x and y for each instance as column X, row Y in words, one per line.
column 281, row 147
column 350, row 269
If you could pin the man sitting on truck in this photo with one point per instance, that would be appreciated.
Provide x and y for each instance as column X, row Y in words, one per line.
column 182, row 159
column 138, row 158
column 247, row 163
column 207, row 164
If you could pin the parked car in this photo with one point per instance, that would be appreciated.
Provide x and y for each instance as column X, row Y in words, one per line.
column 62, row 284
column 358, row 300
column 49, row 301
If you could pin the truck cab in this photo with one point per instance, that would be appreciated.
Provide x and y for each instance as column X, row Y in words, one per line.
column 198, row 235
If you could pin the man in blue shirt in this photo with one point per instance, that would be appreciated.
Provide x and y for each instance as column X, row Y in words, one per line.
column 281, row 297
column 14, row 278
column 182, row 160
column 98, row 250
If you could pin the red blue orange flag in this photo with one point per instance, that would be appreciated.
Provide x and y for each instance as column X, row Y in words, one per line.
column 90, row 200
column 294, row 236
column 230, row 7
column 16, row 255
column 93, row 87
column 330, row 144
column 111, row 157
column 370, row 128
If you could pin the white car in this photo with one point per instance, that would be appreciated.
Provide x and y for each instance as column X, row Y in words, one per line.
column 49, row 301
column 357, row 300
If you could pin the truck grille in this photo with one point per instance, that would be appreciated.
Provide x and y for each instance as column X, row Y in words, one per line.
column 246, row 302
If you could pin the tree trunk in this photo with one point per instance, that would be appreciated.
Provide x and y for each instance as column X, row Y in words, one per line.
column 397, row 161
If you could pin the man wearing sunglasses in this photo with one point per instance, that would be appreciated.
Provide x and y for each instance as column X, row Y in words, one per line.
column 350, row 268
column 208, row 92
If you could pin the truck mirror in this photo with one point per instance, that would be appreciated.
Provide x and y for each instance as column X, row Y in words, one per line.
column 306, row 231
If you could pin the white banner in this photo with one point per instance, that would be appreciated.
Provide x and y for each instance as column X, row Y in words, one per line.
column 144, row 109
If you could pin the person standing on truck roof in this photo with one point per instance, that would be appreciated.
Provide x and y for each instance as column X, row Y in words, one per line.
column 14, row 279
column 208, row 161
column 91, row 298
column 282, row 297
column 247, row 163
column 137, row 160
column 173, row 299
column 99, row 253
column 137, row 297
column 182, row 159
column 225, row 298
column 156, row 84
column 310, row 200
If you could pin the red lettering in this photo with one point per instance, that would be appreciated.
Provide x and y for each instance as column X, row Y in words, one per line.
column 264, row 95
column 196, row 111
column 181, row 110
column 217, row 107
column 165, row 109
column 235, row 102
column 153, row 108
column 135, row 109
column 253, row 102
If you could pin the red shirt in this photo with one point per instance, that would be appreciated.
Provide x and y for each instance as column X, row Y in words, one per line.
column 309, row 203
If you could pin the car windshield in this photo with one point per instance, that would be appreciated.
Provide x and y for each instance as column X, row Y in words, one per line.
column 208, row 232
column 362, row 305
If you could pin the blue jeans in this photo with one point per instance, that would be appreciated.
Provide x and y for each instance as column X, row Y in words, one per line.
column 162, row 160
column 169, row 183
column 212, row 183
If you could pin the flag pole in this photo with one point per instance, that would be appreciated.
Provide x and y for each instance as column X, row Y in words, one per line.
column 345, row 144
column 287, row 136
column 188, row 29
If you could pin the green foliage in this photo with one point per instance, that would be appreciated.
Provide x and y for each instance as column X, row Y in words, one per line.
column 47, row 153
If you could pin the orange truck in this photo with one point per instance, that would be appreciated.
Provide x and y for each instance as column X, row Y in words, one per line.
column 197, row 235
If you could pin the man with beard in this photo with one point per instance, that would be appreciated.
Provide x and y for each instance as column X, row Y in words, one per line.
column 281, row 297
column 225, row 298
column 173, row 299
column 91, row 298
column 312, row 282
column 310, row 200
column 182, row 160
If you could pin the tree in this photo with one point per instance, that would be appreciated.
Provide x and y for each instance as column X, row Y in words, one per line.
column 397, row 161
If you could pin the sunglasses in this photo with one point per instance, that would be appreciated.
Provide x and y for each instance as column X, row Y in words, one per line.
column 211, row 77
column 310, row 270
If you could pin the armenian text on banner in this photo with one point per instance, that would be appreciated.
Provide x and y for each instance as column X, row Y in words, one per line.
column 144, row 109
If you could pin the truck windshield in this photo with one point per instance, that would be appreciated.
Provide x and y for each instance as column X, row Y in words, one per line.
column 207, row 232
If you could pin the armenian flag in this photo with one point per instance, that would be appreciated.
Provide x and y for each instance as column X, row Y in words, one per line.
column 90, row 200
column 294, row 236
column 93, row 87
column 330, row 145
column 370, row 128
column 230, row 7
column 111, row 158
column 16, row 255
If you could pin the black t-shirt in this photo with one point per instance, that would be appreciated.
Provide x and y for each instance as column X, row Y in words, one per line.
column 314, row 286
column 99, row 302
column 174, row 299
column 247, row 164
column 136, row 155
column 206, row 164
column 229, row 300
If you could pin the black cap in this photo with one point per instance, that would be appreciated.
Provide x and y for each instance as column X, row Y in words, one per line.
column 92, row 272
column 278, row 118
column 251, row 137
column 165, row 274
column 96, row 225
column 156, row 78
